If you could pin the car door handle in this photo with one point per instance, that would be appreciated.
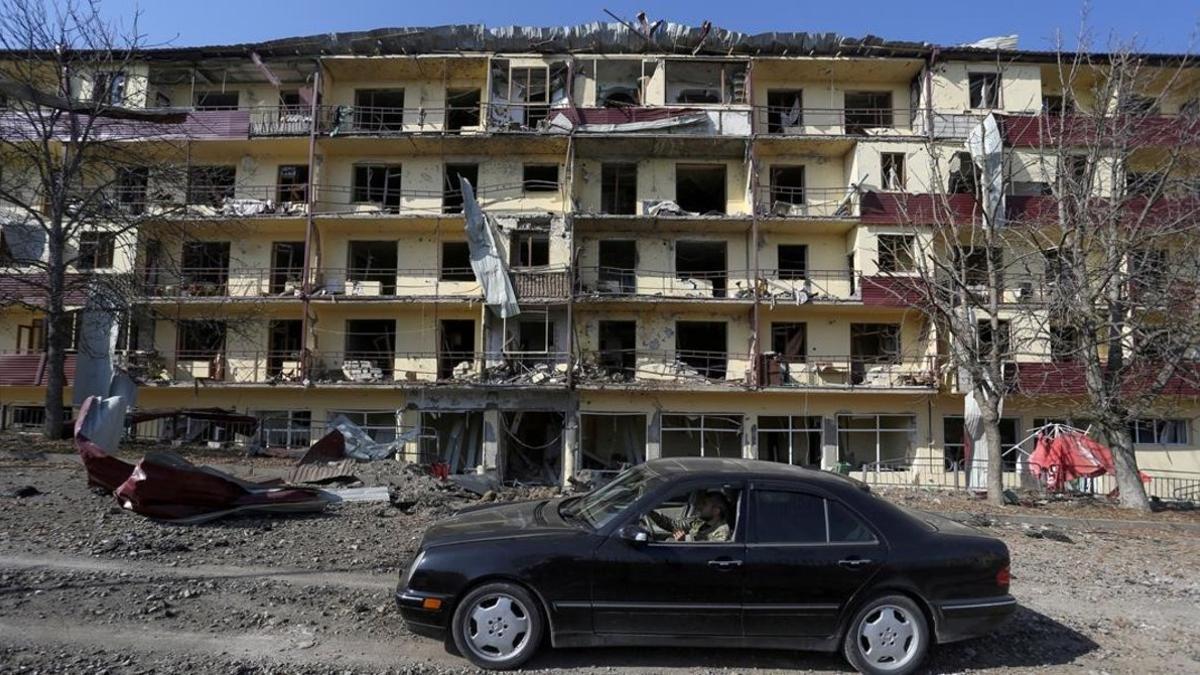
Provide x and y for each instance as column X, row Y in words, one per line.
column 724, row 565
column 854, row 563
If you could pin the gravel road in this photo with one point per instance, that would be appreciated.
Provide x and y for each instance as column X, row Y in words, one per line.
column 88, row 587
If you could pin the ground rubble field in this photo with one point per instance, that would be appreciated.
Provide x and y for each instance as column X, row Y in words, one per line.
column 86, row 586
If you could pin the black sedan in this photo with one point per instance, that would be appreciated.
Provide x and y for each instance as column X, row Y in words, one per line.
column 707, row 553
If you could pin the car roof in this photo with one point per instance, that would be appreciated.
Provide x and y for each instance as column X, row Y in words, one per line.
column 727, row 467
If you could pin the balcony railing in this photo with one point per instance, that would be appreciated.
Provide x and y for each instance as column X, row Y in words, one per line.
column 800, row 286
column 866, row 372
column 664, row 368
column 602, row 282
column 798, row 121
column 781, row 201
column 220, row 282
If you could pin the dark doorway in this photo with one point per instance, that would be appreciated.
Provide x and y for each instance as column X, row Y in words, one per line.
column 452, row 196
column 611, row 442
column 462, row 108
column 287, row 266
column 532, row 446
column 284, row 344
column 379, row 110
column 700, row 188
column 787, row 189
column 371, row 267
column 785, row 108
column 370, row 349
column 618, row 266
column 204, row 269
column 292, row 184
column 455, row 438
column 703, row 346
column 456, row 345
column 618, row 349
column 618, row 188
column 872, row 344
column 201, row 345
column 703, row 261
column 456, row 262
column 868, row 110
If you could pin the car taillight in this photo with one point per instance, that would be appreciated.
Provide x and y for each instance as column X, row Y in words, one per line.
column 1003, row 577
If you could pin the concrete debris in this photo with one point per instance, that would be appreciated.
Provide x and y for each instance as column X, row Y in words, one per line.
column 478, row 483
column 1047, row 532
column 21, row 492
column 359, row 494
column 666, row 207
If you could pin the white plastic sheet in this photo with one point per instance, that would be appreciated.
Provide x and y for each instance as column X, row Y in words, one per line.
column 486, row 261
column 987, row 150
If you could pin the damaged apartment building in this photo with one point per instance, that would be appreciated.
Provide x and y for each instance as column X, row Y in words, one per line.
column 538, row 251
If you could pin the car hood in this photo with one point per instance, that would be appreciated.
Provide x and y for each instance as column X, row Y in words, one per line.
column 500, row 521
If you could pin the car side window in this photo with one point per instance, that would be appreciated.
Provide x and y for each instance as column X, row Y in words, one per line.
column 845, row 527
column 782, row 517
column 694, row 516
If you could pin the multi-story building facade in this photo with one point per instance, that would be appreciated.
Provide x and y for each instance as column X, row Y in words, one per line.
column 703, row 247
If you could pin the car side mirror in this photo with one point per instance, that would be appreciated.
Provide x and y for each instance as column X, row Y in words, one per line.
column 635, row 535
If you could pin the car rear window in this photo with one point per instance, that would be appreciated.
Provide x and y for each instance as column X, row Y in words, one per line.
column 845, row 527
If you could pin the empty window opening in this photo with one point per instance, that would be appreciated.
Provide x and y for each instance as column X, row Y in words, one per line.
column 712, row 435
column 618, row 349
column 785, row 109
column 618, row 82
column 290, row 103
column 891, row 165
column 532, row 446
column 611, row 442
column 292, row 184
column 964, row 175
column 96, row 250
column 705, row 82
column 370, row 349
column 789, row 340
column 791, row 439
column 462, row 109
column 540, row 178
column 618, row 266
column 377, row 184
column 954, row 443
column 1064, row 343
column 703, row 347
column 216, row 100
column 793, row 261
column 700, row 188
column 378, row 110
column 452, row 196
column 618, row 188
column 200, row 340
column 868, row 110
column 132, row 185
column 1057, row 104
column 31, row 338
column 530, row 249
column 1001, row 338
column 872, row 345
column 30, row 417
column 371, row 267
column 285, row 343
column 877, row 442
column 456, row 346
column 974, row 265
column 534, row 342
column 456, row 262
column 285, row 428
column 787, row 189
column 109, row 88
column 204, row 267
column 984, row 90
column 452, row 438
column 211, row 185
column 287, row 266
column 702, row 263
column 895, row 253
column 1138, row 104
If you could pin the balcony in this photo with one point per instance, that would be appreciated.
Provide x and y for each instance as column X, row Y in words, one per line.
column 848, row 372
column 213, row 283
column 793, row 121
column 601, row 282
column 779, row 201
column 790, row 286
column 709, row 121
column 663, row 369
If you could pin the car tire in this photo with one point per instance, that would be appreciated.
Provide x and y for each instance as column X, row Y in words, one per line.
column 887, row 636
column 497, row 626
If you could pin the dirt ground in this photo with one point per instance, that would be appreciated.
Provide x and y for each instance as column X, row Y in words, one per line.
column 88, row 587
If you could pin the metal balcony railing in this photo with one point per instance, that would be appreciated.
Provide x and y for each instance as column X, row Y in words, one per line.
column 867, row 372
column 800, row 121
column 786, row 201
column 606, row 282
column 220, row 282
column 663, row 368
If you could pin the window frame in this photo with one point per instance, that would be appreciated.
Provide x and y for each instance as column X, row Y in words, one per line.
column 771, row 486
column 98, row 253
column 1135, row 430
column 986, row 102
column 890, row 253
column 539, row 185
column 652, row 501
column 886, row 184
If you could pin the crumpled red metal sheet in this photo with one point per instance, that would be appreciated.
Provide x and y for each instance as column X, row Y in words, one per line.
column 1060, row 458
column 103, row 470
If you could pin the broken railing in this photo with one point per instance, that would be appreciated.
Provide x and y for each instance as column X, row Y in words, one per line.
column 459, row 367
column 866, row 372
column 785, row 201
column 795, row 120
column 678, row 367
column 231, row 366
column 606, row 281
column 366, row 200
column 219, row 282
column 363, row 282
column 799, row 286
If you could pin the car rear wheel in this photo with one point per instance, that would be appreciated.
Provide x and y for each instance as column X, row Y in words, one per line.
column 497, row 626
column 888, row 636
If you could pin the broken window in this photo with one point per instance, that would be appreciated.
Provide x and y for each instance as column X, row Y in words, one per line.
column 462, row 108
column 1064, row 343
column 700, row 188
column 1159, row 431
column 530, row 249
column 891, row 165
column 793, row 261
column 877, row 442
column 200, row 339
column 702, row 265
column 954, row 443
column 984, row 90
column 789, row 340
column 456, row 341
column 456, row 262
column 453, row 438
column 96, row 250
column 540, row 178
column 1138, row 104
column 532, row 445
column 380, row 425
column 1144, row 183
column 216, row 100
column 895, row 253
column 285, row 428
column 292, row 183
column 785, row 109
column 790, row 439
column 31, row 339
column 787, row 188
column 290, row 103
column 618, row 349
column 611, row 442
column 868, row 110
column 618, row 266
column 1002, row 338
column 132, row 184
column 618, row 82
column 204, row 267
column 618, row 188
column 377, row 184
column 211, row 185
column 872, row 345
column 371, row 267
column 287, row 266
column 975, row 265
column 452, row 195
column 693, row 435
column 109, row 88
column 370, row 350
column 1056, row 104
column 377, row 110
column 703, row 347
column 528, row 87
column 285, row 342
column 694, row 82
column 964, row 175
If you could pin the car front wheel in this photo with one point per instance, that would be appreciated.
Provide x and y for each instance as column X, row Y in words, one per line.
column 497, row 626
column 888, row 636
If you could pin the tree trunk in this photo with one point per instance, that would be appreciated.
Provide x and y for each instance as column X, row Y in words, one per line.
column 995, row 476
column 57, row 338
column 1129, row 481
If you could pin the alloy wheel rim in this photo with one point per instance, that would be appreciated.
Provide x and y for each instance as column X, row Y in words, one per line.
column 888, row 637
column 497, row 627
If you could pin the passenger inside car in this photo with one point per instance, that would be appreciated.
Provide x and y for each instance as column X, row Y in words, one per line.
column 705, row 516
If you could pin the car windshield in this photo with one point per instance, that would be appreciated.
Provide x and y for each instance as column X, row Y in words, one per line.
column 598, row 508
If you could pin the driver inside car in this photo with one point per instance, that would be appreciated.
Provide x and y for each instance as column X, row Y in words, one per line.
column 711, row 524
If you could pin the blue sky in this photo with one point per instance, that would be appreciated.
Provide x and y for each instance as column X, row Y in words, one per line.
column 1157, row 25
